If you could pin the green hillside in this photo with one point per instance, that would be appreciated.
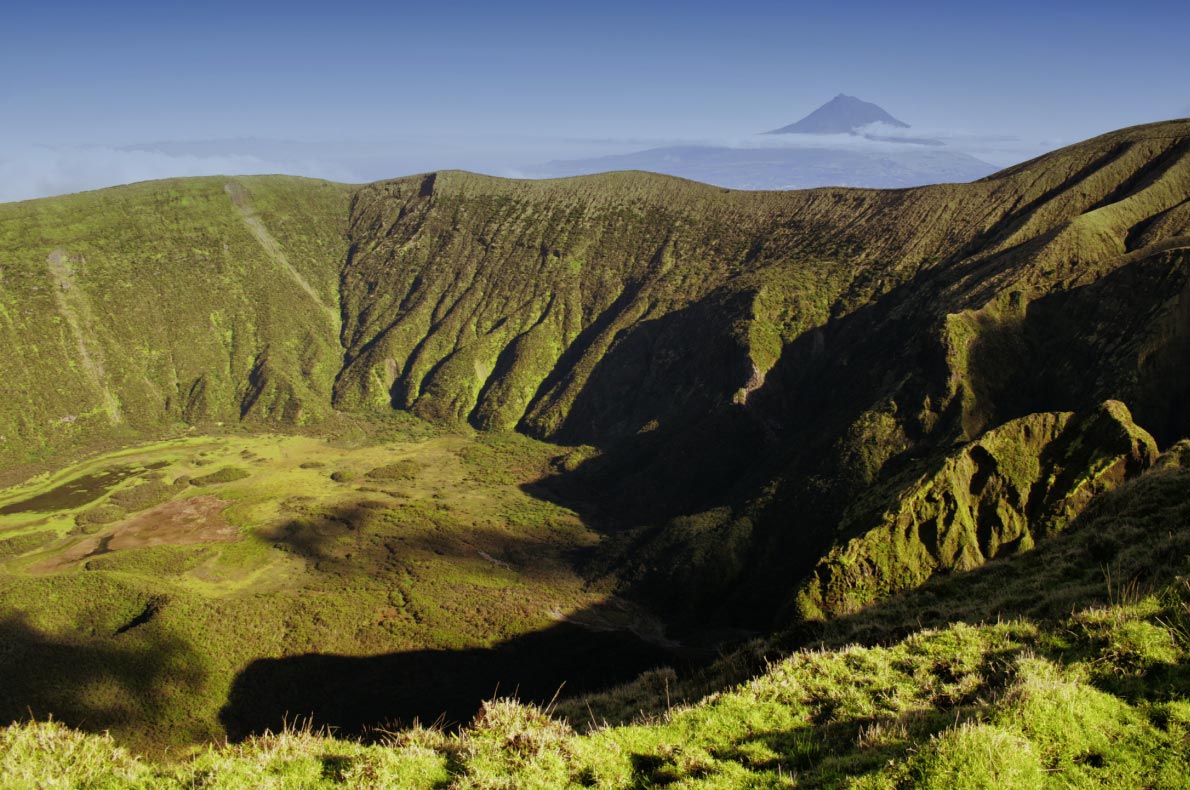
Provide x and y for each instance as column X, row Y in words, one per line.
column 279, row 448
column 145, row 308
column 1061, row 667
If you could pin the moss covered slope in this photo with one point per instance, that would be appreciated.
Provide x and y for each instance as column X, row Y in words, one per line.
column 134, row 309
column 1017, row 484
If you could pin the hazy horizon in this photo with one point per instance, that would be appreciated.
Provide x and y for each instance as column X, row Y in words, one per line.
column 358, row 92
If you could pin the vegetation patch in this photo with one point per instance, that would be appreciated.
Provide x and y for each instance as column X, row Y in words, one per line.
column 228, row 474
column 892, row 424
column 285, row 562
column 148, row 493
column 398, row 470
column 93, row 518
column 22, row 544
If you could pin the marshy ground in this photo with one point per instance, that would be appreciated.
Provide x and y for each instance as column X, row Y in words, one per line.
column 218, row 585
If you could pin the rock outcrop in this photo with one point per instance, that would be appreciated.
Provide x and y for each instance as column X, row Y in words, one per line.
column 1016, row 484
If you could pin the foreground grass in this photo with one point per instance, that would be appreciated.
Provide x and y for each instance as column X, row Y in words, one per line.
column 1092, row 696
column 1095, row 701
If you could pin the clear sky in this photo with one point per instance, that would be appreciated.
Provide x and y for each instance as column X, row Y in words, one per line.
column 490, row 82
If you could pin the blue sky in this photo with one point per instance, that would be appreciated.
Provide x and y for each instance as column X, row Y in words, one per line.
column 474, row 84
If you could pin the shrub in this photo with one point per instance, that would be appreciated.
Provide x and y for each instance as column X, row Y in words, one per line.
column 399, row 470
column 98, row 516
column 228, row 474
column 146, row 495
column 12, row 547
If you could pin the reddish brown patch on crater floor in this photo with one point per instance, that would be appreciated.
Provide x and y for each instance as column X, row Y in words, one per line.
column 185, row 521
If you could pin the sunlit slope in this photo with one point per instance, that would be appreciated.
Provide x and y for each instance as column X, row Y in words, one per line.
column 763, row 367
column 130, row 309
column 572, row 308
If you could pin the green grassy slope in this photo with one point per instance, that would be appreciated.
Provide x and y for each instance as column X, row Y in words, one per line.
column 1015, row 321
column 501, row 301
column 755, row 361
column 791, row 405
column 1016, row 485
column 131, row 310
column 575, row 309
column 1062, row 667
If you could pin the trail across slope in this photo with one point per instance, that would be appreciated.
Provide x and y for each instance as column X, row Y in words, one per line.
column 241, row 200
column 75, row 308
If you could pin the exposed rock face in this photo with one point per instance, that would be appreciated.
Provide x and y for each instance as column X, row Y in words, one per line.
column 997, row 495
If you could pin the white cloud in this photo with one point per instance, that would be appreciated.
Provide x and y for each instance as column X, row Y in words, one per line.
column 31, row 171
column 999, row 150
column 39, row 171
column 834, row 141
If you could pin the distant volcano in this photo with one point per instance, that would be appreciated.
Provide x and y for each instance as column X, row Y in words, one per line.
column 824, row 157
column 841, row 115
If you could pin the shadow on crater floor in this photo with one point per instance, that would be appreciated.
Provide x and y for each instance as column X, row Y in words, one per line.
column 352, row 694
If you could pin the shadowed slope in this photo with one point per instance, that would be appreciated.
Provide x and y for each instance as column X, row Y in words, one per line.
column 1035, row 671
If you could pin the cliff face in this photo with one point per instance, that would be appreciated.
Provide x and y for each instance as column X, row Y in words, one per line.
column 752, row 365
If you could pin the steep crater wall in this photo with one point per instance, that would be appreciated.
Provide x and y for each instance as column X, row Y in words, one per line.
column 750, row 365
